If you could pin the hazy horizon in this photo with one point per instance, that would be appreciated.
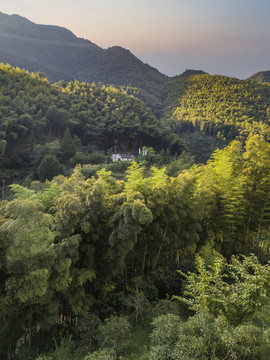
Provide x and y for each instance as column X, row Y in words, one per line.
column 220, row 37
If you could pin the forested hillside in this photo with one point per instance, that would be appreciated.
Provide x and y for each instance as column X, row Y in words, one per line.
column 261, row 76
column 205, row 112
column 224, row 107
column 174, row 89
column 34, row 112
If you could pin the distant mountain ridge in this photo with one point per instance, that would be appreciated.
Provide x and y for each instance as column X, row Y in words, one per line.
column 21, row 26
column 61, row 55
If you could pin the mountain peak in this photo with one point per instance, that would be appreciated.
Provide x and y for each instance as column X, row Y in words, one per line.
column 20, row 26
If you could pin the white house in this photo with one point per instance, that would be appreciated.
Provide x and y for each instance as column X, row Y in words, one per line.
column 122, row 157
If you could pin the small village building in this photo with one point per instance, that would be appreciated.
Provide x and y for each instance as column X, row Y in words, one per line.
column 123, row 157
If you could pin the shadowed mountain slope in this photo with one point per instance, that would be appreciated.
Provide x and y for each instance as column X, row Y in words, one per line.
column 261, row 76
column 61, row 55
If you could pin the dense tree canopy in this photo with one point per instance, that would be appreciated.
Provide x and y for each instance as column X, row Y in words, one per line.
column 224, row 107
column 33, row 111
column 65, row 242
column 79, row 249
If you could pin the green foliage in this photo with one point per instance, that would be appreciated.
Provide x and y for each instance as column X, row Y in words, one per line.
column 235, row 291
column 174, row 89
column 205, row 337
column 138, row 346
column 164, row 307
column 224, row 107
column 88, row 331
column 164, row 336
column 209, row 255
column 202, row 146
column 68, row 148
column 96, row 158
column 101, row 355
column 74, row 246
column 182, row 162
column 137, row 305
column 28, row 258
column 118, row 166
column 64, row 349
column 49, row 168
column 90, row 170
column 115, row 333
column 221, row 186
column 3, row 145
column 49, row 148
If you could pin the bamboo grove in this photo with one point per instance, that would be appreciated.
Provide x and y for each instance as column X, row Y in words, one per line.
column 71, row 242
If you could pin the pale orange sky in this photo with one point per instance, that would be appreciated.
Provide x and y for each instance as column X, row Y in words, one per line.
column 230, row 37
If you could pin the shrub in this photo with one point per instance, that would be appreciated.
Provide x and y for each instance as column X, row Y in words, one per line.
column 64, row 350
column 101, row 355
column 79, row 158
column 164, row 307
column 90, row 170
column 50, row 148
column 118, row 166
column 164, row 337
column 88, row 330
column 115, row 333
column 137, row 304
column 96, row 158
column 204, row 337
column 48, row 168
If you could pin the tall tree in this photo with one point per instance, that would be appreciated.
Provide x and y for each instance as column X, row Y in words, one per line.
column 68, row 148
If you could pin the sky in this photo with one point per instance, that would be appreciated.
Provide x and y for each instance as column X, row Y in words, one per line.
column 227, row 37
